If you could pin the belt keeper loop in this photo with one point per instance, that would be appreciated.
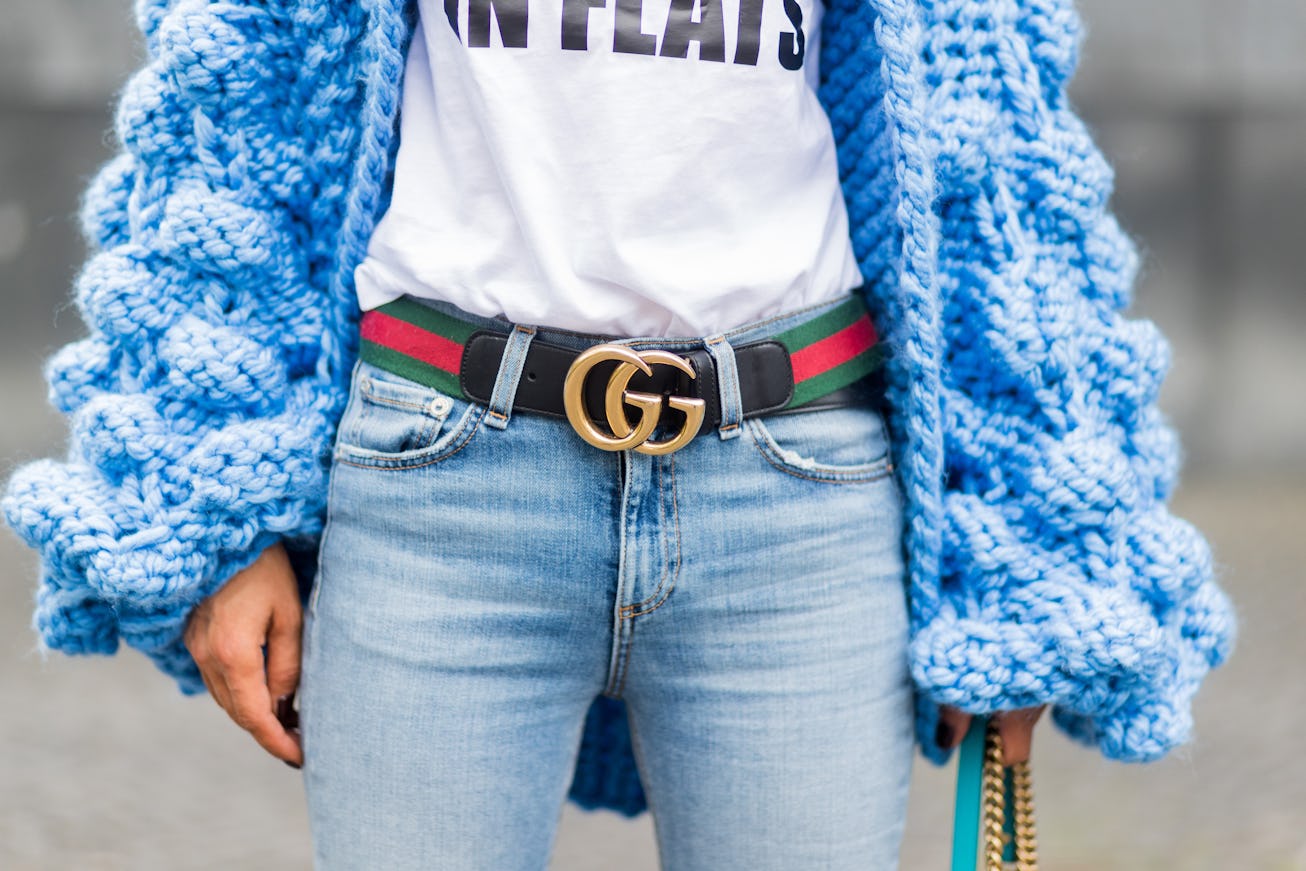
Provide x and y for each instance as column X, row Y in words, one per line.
column 727, row 375
column 510, row 369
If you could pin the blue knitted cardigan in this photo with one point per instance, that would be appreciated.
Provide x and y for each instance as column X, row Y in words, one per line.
column 256, row 151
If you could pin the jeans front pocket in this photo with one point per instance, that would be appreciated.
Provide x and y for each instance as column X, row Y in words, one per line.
column 391, row 422
column 844, row 445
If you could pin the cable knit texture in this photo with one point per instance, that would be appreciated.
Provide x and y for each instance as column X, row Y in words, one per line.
column 257, row 146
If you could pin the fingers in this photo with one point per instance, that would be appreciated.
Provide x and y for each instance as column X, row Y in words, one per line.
column 226, row 634
column 250, row 702
column 952, row 727
column 198, row 626
column 283, row 653
column 1016, row 727
column 283, row 662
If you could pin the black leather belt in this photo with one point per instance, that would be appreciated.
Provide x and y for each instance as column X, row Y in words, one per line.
column 766, row 379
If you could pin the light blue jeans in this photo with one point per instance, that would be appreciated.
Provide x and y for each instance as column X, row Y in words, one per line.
column 485, row 574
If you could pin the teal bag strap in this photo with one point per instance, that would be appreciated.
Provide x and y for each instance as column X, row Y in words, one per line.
column 970, row 784
column 968, row 811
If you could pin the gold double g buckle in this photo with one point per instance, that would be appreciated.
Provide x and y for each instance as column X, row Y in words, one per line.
column 617, row 396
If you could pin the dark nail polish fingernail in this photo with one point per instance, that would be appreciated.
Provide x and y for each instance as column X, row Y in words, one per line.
column 292, row 764
column 943, row 734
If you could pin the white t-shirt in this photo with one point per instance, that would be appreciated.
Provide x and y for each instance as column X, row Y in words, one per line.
column 636, row 167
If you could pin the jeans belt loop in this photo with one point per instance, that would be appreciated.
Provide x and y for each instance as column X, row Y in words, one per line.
column 510, row 369
column 727, row 376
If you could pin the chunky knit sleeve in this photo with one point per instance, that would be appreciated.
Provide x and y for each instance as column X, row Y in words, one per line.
column 1062, row 576
column 203, row 399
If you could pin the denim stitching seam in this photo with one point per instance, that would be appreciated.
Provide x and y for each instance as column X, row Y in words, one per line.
column 632, row 609
column 675, row 574
column 401, row 466
column 871, row 473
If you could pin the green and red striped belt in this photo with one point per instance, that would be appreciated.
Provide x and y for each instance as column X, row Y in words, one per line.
column 832, row 359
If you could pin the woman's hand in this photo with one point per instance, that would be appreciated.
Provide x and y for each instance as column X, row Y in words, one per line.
column 259, row 604
column 1015, row 726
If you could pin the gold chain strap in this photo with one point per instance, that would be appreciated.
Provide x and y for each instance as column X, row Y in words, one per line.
column 994, row 807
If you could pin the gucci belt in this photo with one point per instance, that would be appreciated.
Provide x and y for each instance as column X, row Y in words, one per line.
column 832, row 359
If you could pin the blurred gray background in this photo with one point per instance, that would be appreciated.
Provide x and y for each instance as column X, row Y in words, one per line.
column 1200, row 105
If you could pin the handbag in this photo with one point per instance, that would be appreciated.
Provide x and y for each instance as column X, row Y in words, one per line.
column 1000, row 797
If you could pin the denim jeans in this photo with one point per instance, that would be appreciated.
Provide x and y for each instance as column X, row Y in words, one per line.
column 485, row 573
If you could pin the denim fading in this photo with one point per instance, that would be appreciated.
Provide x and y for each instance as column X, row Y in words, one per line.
column 485, row 574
